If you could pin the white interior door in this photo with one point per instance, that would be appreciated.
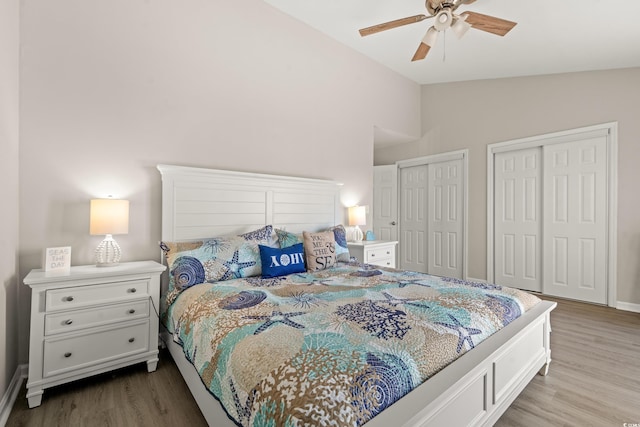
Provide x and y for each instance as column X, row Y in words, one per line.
column 575, row 220
column 518, row 219
column 385, row 202
column 413, row 218
column 445, row 218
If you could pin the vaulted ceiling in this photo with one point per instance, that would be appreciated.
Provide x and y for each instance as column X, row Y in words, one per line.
column 550, row 37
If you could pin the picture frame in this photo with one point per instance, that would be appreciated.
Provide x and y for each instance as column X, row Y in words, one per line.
column 57, row 259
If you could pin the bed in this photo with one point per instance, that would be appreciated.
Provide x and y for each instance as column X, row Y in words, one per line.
column 358, row 382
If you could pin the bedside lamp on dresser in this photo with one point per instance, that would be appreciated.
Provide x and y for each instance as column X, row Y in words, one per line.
column 108, row 217
column 357, row 217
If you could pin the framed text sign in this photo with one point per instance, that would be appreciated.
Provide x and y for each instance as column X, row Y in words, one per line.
column 57, row 259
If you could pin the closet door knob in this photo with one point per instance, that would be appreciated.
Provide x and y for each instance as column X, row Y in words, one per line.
column 393, row 223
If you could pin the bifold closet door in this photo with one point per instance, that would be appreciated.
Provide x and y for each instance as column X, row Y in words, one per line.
column 518, row 219
column 575, row 220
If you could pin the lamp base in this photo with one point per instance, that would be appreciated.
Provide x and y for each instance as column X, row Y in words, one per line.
column 356, row 234
column 108, row 252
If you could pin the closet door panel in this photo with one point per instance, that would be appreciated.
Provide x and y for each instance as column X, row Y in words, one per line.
column 445, row 221
column 517, row 222
column 413, row 223
column 575, row 220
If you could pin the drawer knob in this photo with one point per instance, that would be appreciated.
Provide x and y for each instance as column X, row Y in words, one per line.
column 67, row 354
column 69, row 299
column 132, row 311
column 372, row 255
column 132, row 339
column 132, row 290
column 68, row 321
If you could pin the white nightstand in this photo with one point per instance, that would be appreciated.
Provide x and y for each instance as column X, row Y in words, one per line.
column 376, row 252
column 91, row 320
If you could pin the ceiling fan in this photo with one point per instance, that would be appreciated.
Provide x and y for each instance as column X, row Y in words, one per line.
column 445, row 18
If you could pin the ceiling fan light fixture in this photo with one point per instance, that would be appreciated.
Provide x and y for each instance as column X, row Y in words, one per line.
column 443, row 19
column 460, row 26
column 431, row 37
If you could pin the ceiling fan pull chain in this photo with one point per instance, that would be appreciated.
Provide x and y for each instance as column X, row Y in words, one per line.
column 444, row 46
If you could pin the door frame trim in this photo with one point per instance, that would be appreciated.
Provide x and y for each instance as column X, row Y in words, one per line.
column 611, row 131
column 437, row 158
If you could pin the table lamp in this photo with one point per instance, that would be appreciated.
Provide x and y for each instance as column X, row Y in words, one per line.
column 108, row 217
column 357, row 217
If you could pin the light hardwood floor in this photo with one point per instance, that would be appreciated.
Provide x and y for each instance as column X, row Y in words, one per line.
column 594, row 376
column 594, row 380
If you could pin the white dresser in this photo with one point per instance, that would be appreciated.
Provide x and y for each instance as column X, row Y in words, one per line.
column 376, row 252
column 91, row 320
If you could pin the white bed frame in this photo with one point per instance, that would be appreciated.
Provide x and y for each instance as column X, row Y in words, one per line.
column 475, row 389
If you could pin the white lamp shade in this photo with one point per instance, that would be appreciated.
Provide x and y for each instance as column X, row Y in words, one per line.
column 431, row 37
column 357, row 215
column 109, row 216
column 460, row 26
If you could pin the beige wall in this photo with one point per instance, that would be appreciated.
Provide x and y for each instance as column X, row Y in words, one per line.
column 112, row 88
column 475, row 114
column 9, row 131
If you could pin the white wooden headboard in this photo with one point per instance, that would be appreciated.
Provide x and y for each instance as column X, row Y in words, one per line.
column 200, row 203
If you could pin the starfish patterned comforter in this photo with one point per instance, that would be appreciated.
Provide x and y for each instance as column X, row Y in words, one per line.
column 334, row 347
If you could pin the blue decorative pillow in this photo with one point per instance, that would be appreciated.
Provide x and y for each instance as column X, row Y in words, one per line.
column 264, row 234
column 279, row 262
column 342, row 250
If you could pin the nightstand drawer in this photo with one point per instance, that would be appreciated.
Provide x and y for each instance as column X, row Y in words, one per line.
column 91, row 349
column 80, row 296
column 80, row 319
column 375, row 254
column 387, row 262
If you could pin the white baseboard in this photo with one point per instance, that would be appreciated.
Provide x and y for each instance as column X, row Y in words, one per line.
column 11, row 393
column 620, row 305
column 628, row 306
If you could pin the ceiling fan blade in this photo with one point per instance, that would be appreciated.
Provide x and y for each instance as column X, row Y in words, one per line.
column 427, row 42
column 421, row 53
column 490, row 24
column 392, row 24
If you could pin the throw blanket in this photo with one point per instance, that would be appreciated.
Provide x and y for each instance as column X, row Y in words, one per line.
column 332, row 348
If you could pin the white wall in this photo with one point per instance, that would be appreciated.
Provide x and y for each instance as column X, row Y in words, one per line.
column 9, row 131
column 111, row 88
column 475, row 114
